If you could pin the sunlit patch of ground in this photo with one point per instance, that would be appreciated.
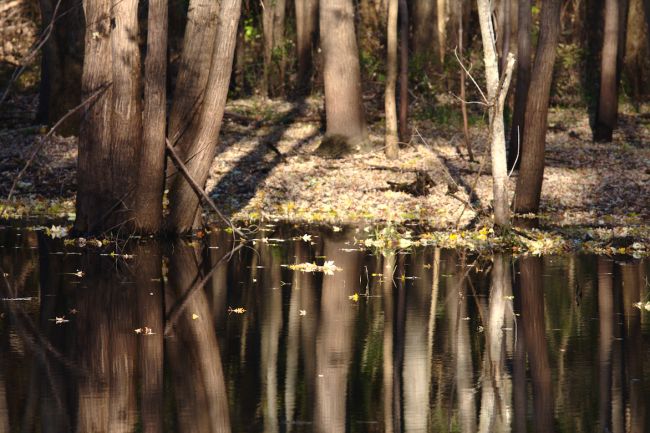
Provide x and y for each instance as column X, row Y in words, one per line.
column 584, row 183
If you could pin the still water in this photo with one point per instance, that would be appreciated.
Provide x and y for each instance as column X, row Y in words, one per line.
column 418, row 341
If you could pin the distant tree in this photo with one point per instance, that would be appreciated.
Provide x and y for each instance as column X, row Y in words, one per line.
column 391, row 147
column 273, row 23
column 425, row 35
column 403, row 70
column 524, row 62
column 531, row 173
column 306, row 20
column 61, row 64
column 606, row 116
column 346, row 125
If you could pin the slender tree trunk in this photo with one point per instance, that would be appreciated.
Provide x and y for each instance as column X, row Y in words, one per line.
column 391, row 147
column 442, row 10
column 306, row 19
column 273, row 27
column 403, row 71
column 201, row 144
column 505, row 33
column 524, row 17
column 343, row 103
column 496, row 98
column 150, row 181
column 608, row 100
column 61, row 65
column 463, row 103
column 529, row 183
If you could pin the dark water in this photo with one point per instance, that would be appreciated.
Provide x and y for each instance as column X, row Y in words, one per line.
column 441, row 341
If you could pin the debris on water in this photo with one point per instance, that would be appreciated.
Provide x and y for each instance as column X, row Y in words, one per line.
column 237, row 310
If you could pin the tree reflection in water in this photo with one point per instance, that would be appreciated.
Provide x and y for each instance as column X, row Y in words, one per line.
column 443, row 342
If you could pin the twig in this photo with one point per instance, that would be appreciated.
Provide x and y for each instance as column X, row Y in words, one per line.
column 470, row 76
column 43, row 139
column 197, row 189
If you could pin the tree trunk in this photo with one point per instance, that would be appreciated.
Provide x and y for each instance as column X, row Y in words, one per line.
column 306, row 16
column 463, row 103
column 61, row 65
column 524, row 18
column 403, row 71
column 112, row 125
column 343, row 104
column 442, row 14
column 150, row 182
column 202, row 142
column 425, row 35
column 196, row 56
column 274, row 59
column 529, row 183
column 608, row 100
column 391, row 147
column 496, row 98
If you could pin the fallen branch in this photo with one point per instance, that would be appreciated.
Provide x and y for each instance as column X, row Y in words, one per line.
column 197, row 189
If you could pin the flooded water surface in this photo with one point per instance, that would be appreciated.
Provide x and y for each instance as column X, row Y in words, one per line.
column 310, row 333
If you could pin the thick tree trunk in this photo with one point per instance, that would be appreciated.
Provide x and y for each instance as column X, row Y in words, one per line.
column 391, row 147
column 274, row 59
column 529, row 183
column 150, row 182
column 196, row 56
column 306, row 19
column 608, row 100
column 96, row 195
column 201, row 144
column 343, row 103
column 496, row 98
column 61, row 65
column 524, row 17
column 403, row 71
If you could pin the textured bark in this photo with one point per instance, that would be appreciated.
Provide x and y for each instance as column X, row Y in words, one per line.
column 194, row 67
column 200, row 145
column 496, row 96
column 343, row 103
column 391, row 148
column 274, row 59
column 524, row 61
column 529, row 183
column 61, row 65
column 95, row 194
column 403, row 71
column 606, row 116
column 150, row 182
column 306, row 19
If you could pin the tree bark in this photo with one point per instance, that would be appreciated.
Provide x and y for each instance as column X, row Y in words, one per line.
column 524, row 18
column 306, row 19
column 201, row 144
column 273, row 28
column 95, row 193
column 391, row 147
column 61, row 65
column 496, row 99
column 608, row 100
column 403, row 71
column 150, row 182
column 529, row 183
column 343, row 103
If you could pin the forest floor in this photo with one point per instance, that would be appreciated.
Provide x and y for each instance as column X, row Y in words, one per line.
column 433, row 183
